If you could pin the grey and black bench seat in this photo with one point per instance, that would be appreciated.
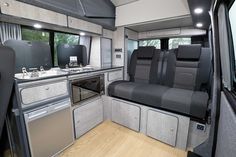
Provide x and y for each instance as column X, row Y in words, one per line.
column 175, row 81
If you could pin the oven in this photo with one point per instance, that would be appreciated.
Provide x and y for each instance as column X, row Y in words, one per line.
column 86, row 88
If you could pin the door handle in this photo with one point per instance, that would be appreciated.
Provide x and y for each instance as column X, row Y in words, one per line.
column 61, row 106
column 37, row 114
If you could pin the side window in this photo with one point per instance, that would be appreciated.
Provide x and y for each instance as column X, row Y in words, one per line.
column 63, row 38
column 153, row 42
column 175, row 42
column 232, row 18
column 35, row 35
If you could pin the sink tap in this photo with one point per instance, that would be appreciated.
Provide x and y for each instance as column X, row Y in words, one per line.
column 34, row 72
column 24, row 71
column 42, row 69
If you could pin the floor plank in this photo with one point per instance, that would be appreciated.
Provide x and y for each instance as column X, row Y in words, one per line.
column 112, row 140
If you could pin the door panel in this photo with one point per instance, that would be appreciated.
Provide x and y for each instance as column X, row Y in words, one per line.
column 226, row 138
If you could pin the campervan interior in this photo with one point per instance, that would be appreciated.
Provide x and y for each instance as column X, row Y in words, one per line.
column 117, row 78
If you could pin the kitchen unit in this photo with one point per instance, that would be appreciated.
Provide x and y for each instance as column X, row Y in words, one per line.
column 51, row 111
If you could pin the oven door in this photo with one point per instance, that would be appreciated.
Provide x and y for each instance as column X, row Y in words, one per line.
column 85, row 88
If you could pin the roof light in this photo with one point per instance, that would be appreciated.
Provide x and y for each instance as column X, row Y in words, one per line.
column 38, row 26
column 82, row 33
column 198, row 11
column 199, row 25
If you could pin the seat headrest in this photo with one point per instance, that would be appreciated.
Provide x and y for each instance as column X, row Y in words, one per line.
column 189, row 52
column 145, row 52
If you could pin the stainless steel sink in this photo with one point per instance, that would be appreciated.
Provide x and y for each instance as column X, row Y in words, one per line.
column 40, row 74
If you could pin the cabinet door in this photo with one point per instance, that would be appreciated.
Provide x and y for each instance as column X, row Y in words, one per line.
column 87, row 117
column 162, row 127
column 23, row 10
column 84, row 25
column 126, row 114
column 44, row 92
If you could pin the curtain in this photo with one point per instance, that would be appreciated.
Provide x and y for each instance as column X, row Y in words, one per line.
column 86, row 41
column 9, row 31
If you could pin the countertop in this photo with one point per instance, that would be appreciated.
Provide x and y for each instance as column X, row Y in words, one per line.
column 65, row 72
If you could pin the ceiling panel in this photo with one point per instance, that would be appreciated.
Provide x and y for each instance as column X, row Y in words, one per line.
column 204, row 17
column 122, row 2
column 164, row 24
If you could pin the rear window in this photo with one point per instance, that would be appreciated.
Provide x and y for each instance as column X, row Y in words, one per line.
column 175, row 42
column 153, row 42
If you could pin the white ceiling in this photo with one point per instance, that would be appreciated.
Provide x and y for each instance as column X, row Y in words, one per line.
column 122, row 2
column 184, row 21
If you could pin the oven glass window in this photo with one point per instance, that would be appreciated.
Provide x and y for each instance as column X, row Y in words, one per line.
column 85, row 89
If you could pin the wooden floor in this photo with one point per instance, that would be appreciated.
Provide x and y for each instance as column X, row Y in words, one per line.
column 112, row 140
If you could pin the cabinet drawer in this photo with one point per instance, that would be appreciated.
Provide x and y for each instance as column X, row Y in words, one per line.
column 44, row 92
column 126, row 114
column 87, row 117
column 162, row 127
column 115, row 75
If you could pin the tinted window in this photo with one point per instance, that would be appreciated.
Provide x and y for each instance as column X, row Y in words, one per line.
column 63, row 38
column 35, row 35
column 154, row 42
column 175, row 42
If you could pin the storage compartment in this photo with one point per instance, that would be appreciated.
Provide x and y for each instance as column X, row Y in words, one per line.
column 115, row 75
column 87, row 117
column 84, row 25
column 50, row 129
column 126, row 114
column 23, row 10
column 39, row 93
column 162, row 126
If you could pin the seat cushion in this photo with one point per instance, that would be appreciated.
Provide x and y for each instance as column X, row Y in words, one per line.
column 122, row 89
column 149, row 94
column 184, row 101
column 187, row 102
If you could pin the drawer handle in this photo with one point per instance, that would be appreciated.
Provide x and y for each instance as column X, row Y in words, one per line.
column 47, row 88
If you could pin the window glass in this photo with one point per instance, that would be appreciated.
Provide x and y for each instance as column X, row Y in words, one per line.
column 63, row 38
column 132, row 45
column 35, row 35
column 232, row 18
column 175, row 42
column 153, row 42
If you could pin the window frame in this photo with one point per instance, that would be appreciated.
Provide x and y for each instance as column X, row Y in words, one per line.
column 231, row 46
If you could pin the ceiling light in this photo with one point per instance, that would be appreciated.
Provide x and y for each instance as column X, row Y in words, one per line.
column 82, row 33
column 198, row 10
column 37, row 26
column 199, row 25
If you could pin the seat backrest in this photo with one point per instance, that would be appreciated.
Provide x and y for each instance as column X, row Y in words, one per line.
column 190, row 67
column 140, row 64
column 168, row 68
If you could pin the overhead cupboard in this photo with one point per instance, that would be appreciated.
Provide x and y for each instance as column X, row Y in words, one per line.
column 30, row 12
column 23, row 10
